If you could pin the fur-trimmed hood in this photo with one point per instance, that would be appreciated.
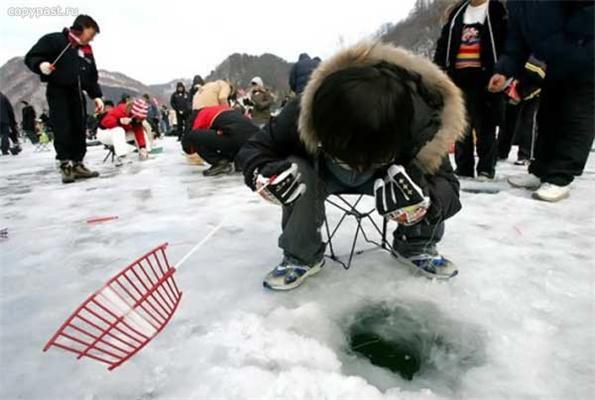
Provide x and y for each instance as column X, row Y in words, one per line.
column 452, row 114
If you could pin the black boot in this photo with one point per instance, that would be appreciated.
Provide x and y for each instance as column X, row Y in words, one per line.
column 67, row 172
column 16, row 149
column 80, row 171
column 220, row 168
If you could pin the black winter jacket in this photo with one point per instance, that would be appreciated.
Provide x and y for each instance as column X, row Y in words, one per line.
column 560, row 33
column 439, row 119
column 72, row 71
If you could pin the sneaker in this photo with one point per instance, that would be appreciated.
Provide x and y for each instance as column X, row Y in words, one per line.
column 143, row 155
column 552, row 193
column 67, row 172
column 82, row 172
column 16, row 149
column 287, row 276
column 431, row 266
column 462, row 175
column 522, row 162
column 485, row 177
column 526, row 181
column 222, row 167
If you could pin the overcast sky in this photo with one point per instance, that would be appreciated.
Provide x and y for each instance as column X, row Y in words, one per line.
column 156, row 42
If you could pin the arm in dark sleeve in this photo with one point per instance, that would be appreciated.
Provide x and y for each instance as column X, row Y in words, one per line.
column 272, row 143
column 43, row 50
column 516, row 50
column 92, row 87
column 441, row 46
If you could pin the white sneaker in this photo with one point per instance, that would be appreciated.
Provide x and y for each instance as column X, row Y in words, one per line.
column 551, row 192
column 526, row 181
column 289, row 276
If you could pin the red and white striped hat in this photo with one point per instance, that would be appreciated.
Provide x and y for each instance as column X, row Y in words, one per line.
column 139, row 109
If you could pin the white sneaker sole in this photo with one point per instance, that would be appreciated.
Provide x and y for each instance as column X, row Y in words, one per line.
column 528, row 187
column 537, row 196
column 298, row 282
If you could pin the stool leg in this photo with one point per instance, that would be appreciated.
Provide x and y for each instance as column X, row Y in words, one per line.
column 384, row 229
column 330, row 239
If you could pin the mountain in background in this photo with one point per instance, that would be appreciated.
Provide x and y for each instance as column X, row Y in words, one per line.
column 418, row 32
column 421, row 29
column 240, row 69
column 18, row 83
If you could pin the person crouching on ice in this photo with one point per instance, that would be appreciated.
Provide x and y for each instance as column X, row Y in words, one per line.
column 373, row 119
column 218, row 133
column 123, row 124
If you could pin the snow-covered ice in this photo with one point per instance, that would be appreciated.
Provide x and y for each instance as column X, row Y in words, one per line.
column 519, row 319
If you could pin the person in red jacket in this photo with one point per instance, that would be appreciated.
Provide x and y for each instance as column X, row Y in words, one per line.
column 218, row 133
column 122, row 124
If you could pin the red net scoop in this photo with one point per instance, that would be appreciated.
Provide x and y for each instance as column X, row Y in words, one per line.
column 124, row 315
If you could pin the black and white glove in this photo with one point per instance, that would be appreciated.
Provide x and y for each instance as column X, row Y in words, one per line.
column 399, row 198
column 279, row 182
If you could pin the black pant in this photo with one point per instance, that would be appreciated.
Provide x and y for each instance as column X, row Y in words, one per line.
column 230, row 131
column 181, row 120
column 7, row 133
column 210, row 145
column 481, row 112
column 520, row 128
column 566, row 129
column 190, row 117
column 68, row 117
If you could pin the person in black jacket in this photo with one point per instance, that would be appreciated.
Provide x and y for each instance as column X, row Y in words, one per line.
column 28, row 117
column 197, row 83
column 179, row 102
column 8, row 127
column 552, row 42
column 373, row 119
column 468, row 48
column 300, row 72
column 65, row 61
column 217, row 135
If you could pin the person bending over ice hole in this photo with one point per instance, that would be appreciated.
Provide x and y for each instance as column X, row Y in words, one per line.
column 217, row 135
column 65, row 61
column 122, row 124
column 373, row 119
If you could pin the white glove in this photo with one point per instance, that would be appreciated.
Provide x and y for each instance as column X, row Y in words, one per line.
column 46, row 68
column 399, row 198
column 280, row 183
column 125, row 121
column 98, row 105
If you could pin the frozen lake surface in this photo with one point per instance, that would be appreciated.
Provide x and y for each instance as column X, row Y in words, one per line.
column 517, row 323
